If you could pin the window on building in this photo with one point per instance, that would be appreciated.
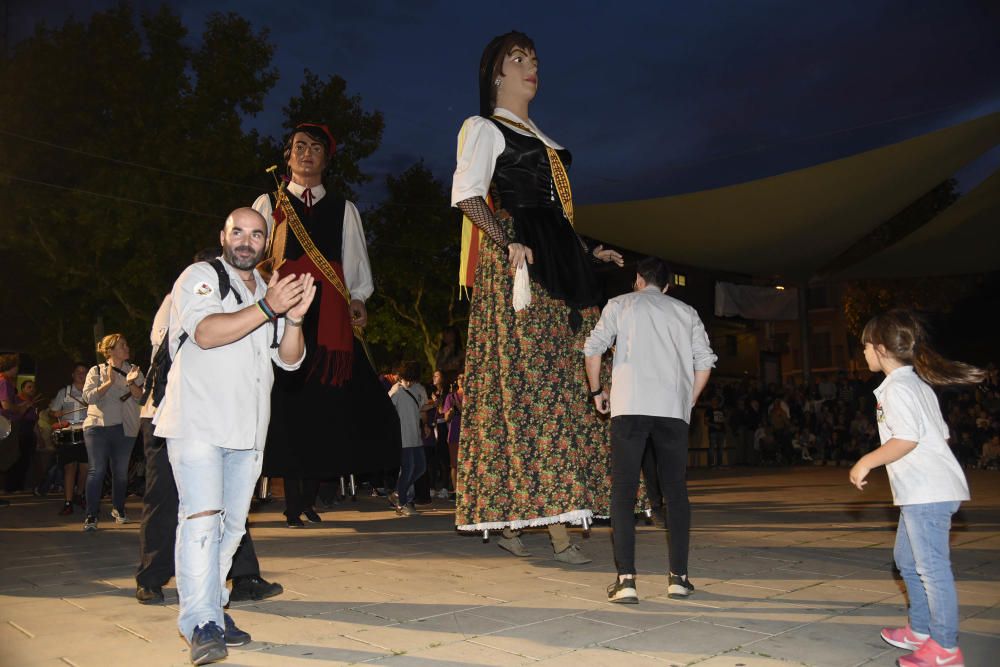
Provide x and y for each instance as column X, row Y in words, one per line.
column 680, row 280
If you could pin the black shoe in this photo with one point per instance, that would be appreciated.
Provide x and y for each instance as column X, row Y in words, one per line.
column 254, row 588
column 67, row 509
column 90, row 523
column 149, row 594
column 679, row 586
column 312, row 516
column 623, row 592
column 233, row 635
column 208, row 644
column 294, row 522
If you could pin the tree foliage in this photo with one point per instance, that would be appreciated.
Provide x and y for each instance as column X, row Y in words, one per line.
column 415, row 238
column 124, row 149
column 862, row 299
column 100, row 125
column 358, row 132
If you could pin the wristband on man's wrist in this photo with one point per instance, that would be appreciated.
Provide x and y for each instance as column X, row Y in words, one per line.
column 266, row 309
column 597, row 392
column 292, row 322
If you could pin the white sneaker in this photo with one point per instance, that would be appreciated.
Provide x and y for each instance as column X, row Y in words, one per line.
column 119, row 517
column 623, row 592
column 443, row 494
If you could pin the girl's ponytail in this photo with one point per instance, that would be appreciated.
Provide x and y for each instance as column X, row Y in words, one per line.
column 936, row 370
column 904, row 336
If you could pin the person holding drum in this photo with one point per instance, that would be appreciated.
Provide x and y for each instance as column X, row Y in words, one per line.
column 68, row 410
column 112, row 391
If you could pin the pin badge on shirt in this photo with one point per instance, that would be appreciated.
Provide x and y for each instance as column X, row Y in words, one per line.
column 203, row 289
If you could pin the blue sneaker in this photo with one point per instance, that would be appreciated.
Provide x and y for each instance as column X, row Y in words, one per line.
column 208, row 644
column 235, row 636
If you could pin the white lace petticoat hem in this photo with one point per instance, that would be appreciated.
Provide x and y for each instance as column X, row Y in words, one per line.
column 576, row 518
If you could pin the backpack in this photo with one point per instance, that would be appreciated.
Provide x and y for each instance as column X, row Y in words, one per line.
column 159, row 367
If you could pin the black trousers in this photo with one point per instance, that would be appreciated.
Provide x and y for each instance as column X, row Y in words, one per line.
column 669, row 439
column 300, row 494
column 158, row 530
column 651, row 477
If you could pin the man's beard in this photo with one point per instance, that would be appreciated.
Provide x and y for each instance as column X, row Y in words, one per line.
column 241, row 263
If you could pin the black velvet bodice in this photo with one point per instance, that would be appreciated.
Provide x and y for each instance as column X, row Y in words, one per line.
column 522, row 182
column 523, row 177
column 325, row 224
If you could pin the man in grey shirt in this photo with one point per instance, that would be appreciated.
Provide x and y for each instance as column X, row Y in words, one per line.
column 662, row 362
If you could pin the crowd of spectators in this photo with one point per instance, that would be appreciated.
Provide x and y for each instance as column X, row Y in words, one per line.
column 832, row 421
column 829, row 422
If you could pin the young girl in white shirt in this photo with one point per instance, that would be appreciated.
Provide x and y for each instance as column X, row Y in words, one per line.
column 927, row 482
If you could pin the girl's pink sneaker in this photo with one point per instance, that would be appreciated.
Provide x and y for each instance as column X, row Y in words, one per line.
column 904, row 638
column 932, row 654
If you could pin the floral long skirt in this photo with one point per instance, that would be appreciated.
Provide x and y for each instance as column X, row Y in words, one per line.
column 533, row 450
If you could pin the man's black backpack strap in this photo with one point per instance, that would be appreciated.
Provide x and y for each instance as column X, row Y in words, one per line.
column 156, row 378
column 225, row 287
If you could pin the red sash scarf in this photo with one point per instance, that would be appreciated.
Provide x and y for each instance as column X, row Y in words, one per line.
column 334, row 355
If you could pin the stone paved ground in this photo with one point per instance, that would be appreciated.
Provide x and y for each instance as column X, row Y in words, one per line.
column 792, row 567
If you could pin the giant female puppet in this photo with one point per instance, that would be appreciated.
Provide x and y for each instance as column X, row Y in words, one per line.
column 532, row 450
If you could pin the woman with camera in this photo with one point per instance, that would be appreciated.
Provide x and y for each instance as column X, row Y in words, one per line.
column 112, row 391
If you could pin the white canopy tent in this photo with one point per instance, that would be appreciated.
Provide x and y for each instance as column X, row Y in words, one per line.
column 793, row 224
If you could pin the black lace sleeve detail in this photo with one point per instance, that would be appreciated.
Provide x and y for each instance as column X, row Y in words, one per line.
column 475, row 209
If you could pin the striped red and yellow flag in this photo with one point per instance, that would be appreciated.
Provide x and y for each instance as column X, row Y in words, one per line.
column 472, row 239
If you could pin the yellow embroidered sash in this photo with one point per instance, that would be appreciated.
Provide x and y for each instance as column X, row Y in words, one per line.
column 559, row 175
column 277, row 257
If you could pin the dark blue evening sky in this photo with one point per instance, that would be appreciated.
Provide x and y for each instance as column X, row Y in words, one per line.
column 653, row 98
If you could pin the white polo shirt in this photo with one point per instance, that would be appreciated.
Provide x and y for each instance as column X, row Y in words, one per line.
column 221, row 395
column 907, row 409
column 659, row 343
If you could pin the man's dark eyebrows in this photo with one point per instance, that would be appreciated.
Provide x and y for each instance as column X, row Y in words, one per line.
column 248, row 231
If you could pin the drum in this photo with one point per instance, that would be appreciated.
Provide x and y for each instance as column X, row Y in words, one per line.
column 68, row 435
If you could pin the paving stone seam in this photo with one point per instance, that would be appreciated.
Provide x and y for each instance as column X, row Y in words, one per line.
column 875, row 657
column 27, row 633
column 134, row 633
column 639, row 630
column 516, row 626
column 705, row 621
column 495, row 648
column 763, row 655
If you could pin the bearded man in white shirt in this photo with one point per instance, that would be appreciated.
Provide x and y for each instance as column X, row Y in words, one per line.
column 662, row 363
column 215, row 413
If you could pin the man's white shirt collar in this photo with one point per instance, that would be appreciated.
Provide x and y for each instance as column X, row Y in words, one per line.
column 318, row 191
